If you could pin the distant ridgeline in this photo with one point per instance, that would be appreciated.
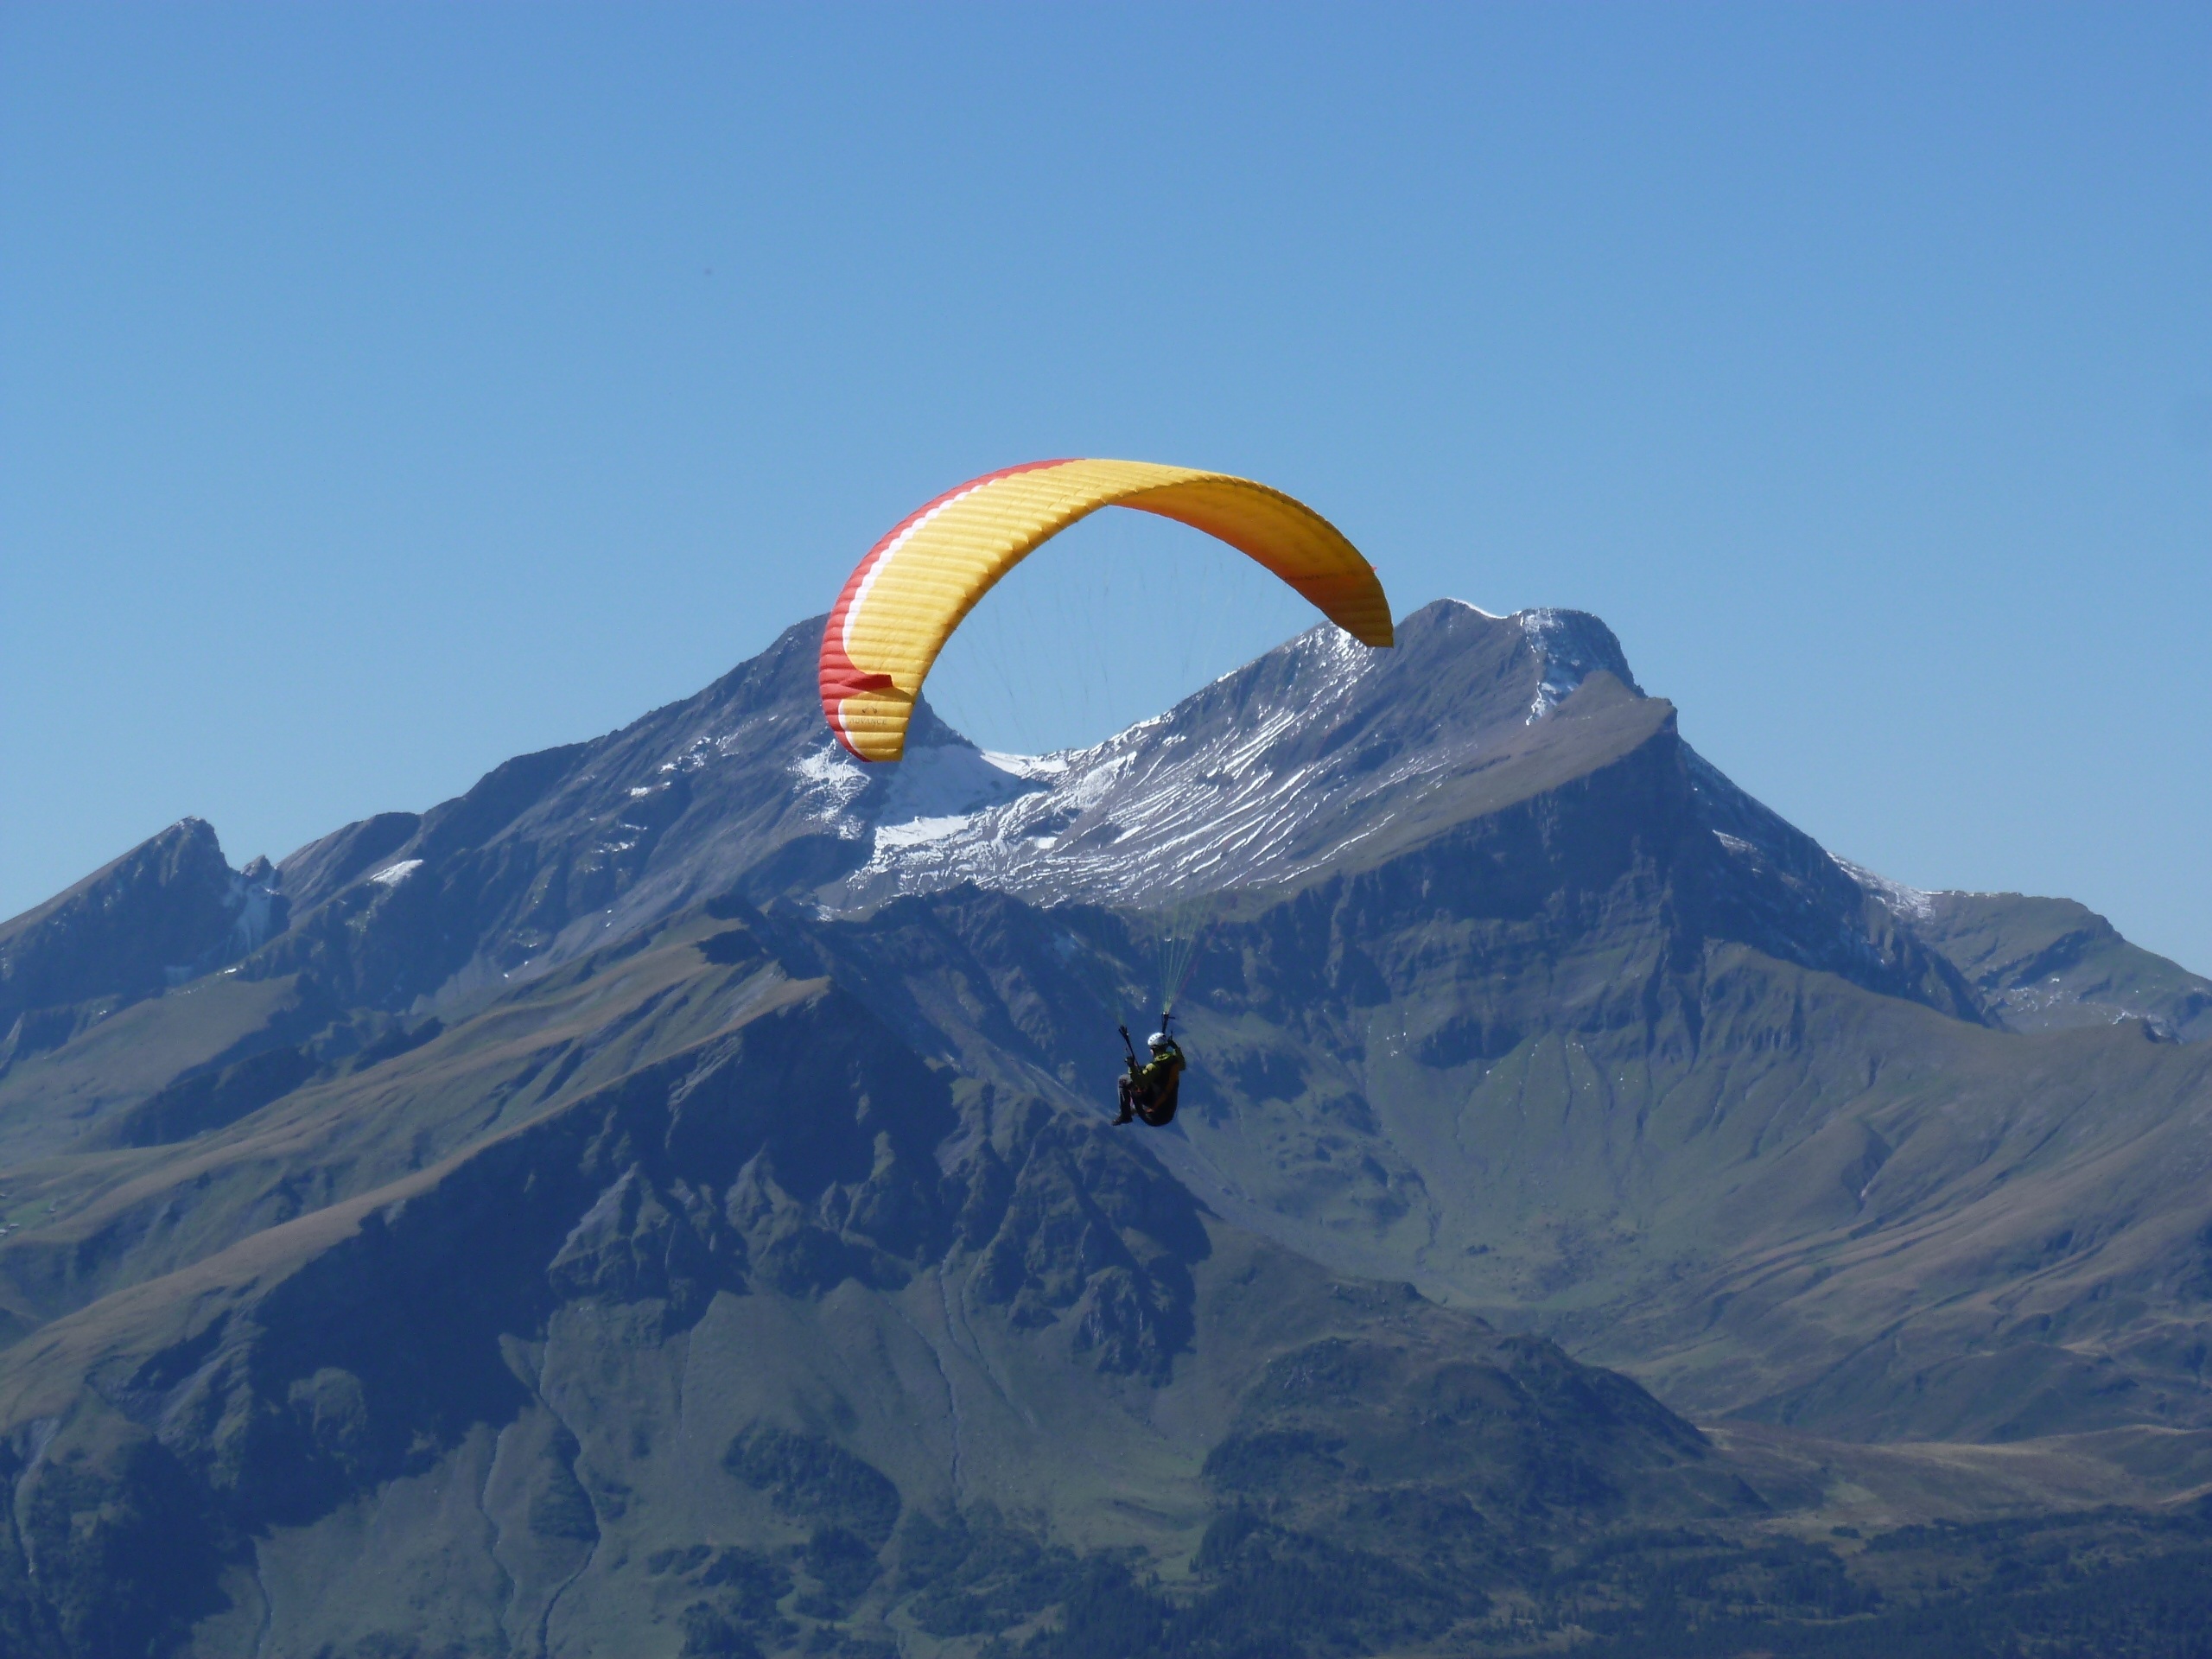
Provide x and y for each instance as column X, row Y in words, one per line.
column 662, row 1203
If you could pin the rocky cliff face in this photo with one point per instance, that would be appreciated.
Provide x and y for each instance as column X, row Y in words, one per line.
column 662, row 1200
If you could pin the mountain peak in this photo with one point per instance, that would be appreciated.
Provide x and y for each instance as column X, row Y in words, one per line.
column 1322, row 755
column 168, row 910
column 1569, row 645
column 1258, row 777
column 1574, row 645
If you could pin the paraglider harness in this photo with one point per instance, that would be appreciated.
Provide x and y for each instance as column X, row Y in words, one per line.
column 1149, row 1093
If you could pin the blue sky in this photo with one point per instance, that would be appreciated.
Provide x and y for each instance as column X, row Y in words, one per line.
column 386, row 390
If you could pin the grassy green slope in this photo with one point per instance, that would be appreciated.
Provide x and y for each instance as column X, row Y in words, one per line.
column 109, row 1218
column 1761, row 1188
column 754, row 1325
column 49, row 1099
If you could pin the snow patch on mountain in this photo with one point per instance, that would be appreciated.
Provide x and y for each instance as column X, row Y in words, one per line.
column 1267, row 773
column 253, row 896
column 952, row 779
column 916, row 831
column 700, row 752
column 1189, row 795
column 1911, row 903
column 1574, row 645
column 829, row 780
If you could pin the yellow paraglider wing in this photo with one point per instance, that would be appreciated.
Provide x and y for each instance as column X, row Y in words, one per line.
column 919, row 581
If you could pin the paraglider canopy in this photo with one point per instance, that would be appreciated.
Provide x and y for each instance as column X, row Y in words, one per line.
column 915, row 586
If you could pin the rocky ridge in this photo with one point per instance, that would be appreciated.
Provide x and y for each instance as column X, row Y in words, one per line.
column 807, row 1302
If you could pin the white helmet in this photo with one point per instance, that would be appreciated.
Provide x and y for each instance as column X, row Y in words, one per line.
column 1158, row 1040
